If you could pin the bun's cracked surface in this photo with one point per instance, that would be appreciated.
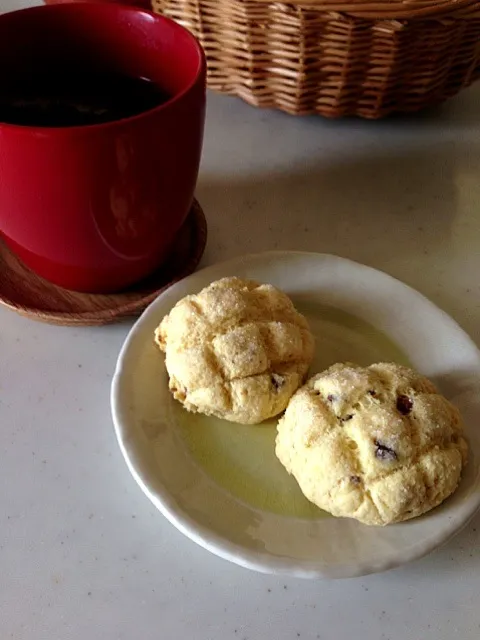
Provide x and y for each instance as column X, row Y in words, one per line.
column 237, row 350
column 376, row 443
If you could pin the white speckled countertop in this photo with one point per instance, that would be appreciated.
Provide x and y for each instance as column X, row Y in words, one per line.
column 83, row 554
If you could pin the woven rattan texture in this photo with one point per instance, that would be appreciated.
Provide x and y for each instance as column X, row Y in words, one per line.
column 363, row 58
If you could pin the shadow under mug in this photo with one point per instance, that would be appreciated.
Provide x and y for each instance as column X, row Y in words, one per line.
column 96, row 208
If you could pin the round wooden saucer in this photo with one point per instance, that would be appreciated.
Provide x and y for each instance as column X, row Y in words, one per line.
column 32, row 296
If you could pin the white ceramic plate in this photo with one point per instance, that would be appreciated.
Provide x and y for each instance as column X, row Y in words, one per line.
column 220, row 483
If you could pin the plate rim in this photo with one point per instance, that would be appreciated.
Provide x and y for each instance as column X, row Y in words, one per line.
column 258, row 560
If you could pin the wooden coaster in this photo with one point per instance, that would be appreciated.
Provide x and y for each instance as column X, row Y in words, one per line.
column 32, row 296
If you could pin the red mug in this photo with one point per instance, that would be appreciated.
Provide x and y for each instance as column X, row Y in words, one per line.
column 96, row 208
column 144, row 4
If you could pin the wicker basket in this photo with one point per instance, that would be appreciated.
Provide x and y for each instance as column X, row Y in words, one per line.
column 361, row 57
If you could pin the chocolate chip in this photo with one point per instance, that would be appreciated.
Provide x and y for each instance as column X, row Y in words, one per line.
column 330, row 397
column 355, row 479
column 346, row 418
column 178, row 391
column 277, row 381
column 383, row 452
column 404, row 405
column 371, row 392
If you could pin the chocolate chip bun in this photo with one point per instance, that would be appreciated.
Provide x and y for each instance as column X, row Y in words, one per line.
column 377, row 443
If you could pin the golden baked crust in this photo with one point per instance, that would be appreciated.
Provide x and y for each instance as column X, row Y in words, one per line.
column 237, row 350
column 377, row 443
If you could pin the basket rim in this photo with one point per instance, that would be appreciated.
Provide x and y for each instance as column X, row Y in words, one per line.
column 390, row 9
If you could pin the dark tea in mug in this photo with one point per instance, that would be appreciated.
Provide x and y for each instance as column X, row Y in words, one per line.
column 55, row 99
